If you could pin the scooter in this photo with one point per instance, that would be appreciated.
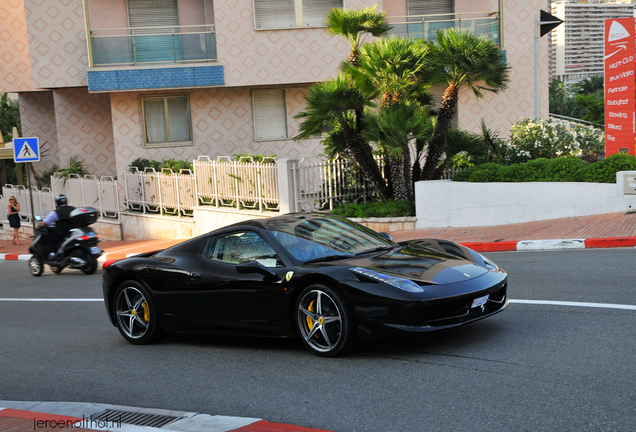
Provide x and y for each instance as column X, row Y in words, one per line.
column 78, row 250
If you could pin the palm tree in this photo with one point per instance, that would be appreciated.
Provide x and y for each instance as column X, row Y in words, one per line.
column 590, row 85
column 355, row 24
column 392, row 128
column 332, row 106
column 399, row 71
column 465, row 60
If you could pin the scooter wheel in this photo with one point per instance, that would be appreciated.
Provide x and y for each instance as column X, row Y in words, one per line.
column 36, row 265
column 57, row 269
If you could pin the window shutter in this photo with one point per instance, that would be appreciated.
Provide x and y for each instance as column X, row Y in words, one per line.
column 314, row 11
column 155, row 13
column 270, row 115
column 274, row 14
column 429, row 7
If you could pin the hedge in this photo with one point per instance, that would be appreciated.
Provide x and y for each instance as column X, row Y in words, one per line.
column 563, row 169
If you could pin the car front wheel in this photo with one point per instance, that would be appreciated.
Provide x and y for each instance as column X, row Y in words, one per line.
column 136, row 315
column 325, row 323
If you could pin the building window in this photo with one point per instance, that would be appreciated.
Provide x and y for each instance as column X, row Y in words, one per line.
column 276, row 14
column 270, row 115
column 166, row 121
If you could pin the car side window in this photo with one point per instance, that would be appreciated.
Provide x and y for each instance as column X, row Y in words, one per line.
column 241, row 246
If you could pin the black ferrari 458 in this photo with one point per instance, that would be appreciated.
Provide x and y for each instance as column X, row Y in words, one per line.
column 320, row 277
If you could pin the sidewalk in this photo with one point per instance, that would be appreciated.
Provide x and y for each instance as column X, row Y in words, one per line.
column 17, row 416
column 606, row 230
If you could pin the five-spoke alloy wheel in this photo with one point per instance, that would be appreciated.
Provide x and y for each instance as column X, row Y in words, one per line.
column 324, row 321
column 136, row 315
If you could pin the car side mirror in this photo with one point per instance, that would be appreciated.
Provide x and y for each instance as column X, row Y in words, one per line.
column 386, row 236
column 256, row 267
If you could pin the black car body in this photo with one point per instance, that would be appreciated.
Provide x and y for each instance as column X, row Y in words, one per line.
column 320, row 277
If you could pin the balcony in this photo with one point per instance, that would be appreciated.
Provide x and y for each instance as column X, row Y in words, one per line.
column 151, row 46
column 147, row 58
column 425, row 27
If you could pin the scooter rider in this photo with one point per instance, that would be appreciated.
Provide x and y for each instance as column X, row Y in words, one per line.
column 60, row 219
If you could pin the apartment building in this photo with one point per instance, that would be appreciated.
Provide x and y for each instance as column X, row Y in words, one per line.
column 110, row 81
column 577, row 47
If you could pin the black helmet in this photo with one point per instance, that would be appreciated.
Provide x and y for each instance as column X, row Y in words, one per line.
column 60, row 200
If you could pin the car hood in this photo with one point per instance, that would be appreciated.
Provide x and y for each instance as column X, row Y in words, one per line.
column 424, row 261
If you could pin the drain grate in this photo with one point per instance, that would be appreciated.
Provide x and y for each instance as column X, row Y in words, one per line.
column 133, row 418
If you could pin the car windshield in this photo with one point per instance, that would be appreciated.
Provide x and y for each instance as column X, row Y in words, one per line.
column 316, row 238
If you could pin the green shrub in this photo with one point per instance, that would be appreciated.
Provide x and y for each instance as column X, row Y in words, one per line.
column 563, row 169
column 376, row 209
column 605, row 171
column 176, row 165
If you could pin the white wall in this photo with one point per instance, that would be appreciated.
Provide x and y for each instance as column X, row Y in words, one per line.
column 444, row 203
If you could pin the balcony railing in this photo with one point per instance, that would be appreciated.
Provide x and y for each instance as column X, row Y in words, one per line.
column 425, row 27
column 152, row 45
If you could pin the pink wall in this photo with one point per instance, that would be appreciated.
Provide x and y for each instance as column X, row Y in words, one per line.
column 84, row 129
column 108, row 14
column 222, row 125
column 15, row 65
column 37, row 113
column 502, row 110
column 57, row 42
column 275, row 56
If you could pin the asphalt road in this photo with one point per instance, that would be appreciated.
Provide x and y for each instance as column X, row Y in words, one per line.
column 532, row 367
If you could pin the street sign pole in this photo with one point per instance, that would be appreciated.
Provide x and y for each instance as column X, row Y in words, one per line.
column 27, row 150
column 28, row 170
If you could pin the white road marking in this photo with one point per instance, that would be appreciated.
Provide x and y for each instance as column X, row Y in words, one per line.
column 52, row 299
column 577, row 304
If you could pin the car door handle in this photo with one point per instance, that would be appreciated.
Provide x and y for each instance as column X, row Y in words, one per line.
column 194, row 275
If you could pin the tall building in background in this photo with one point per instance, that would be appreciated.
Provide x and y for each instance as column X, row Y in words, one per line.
column 576, row 51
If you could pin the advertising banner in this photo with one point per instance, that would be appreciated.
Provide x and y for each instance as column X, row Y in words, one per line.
column 620, row 86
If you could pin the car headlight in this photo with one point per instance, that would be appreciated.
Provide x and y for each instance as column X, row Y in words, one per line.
column 403, row 284
column 491, row 266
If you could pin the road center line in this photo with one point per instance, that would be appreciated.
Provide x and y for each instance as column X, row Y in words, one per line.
column 52, row 299
column 577, row 304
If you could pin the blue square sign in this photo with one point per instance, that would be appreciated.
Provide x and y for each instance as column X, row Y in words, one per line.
column 26, row 150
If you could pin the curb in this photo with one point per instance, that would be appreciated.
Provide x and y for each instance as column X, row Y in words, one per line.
column 90, row 417
column 553, row 244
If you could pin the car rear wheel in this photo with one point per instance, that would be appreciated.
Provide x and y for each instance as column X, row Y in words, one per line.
column 325, row 323
column 136, row 315
column 36, row 265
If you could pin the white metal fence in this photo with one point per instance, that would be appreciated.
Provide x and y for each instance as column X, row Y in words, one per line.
column 320, row 184
column 80, row 191
column 163, row 192
column 43, row 201
column 242, row 184
column 100, row 193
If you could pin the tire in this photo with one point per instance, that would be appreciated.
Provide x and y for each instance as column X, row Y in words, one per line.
column 57, row 269
column 36, row 265
column 91, row 262
column 91, row 266
column 135, row 314
column 324, row 322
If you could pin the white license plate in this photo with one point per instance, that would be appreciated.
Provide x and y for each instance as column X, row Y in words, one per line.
column 95, row 250
column 480, row 301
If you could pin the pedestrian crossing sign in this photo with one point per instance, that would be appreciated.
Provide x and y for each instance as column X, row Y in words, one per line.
column 26, row 150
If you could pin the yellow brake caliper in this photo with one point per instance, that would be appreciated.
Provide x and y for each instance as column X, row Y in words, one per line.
column 311, row 308
column 146, row 312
